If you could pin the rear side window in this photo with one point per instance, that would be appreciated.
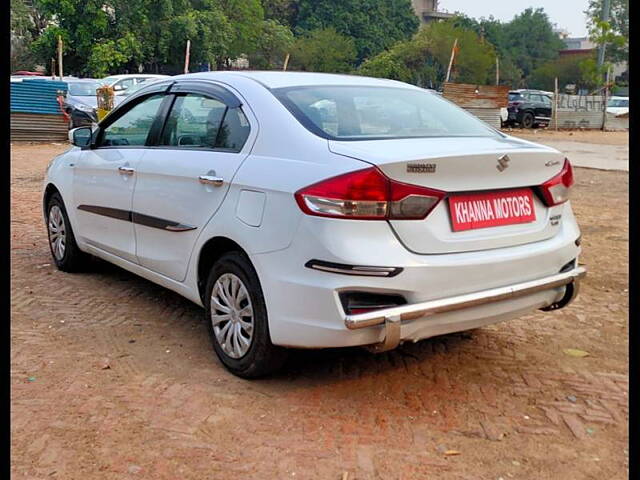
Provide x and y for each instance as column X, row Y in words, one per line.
column 132, row 128
column 197, row 121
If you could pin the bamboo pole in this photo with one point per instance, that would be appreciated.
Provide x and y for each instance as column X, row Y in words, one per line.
column 286, row 63
column 606, row 100
column 53, row 69
column 453, row 53
column 186, row 57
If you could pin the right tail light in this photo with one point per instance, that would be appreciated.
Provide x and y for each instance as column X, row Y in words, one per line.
column 556, row 190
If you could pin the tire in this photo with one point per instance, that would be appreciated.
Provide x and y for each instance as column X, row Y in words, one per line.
column 62, row 242
column 242, row 342
column 528, row 120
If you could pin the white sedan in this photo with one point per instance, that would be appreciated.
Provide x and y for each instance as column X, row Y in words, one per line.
column 313, row 210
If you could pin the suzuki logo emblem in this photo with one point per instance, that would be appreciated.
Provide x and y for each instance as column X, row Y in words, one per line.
column 503, row 163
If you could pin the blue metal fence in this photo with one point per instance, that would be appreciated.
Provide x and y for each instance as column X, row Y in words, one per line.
column 36, row 96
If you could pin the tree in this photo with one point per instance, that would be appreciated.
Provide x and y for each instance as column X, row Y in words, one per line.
column 274, row 42
column 374, row 25
column 323, row 50
column 284, row 12
column 571, row 69
column 21, row 26
column 424, row 59
column 614, row 32
column 532, row 41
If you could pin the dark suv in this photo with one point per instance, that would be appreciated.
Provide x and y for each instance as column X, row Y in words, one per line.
column 529, row 108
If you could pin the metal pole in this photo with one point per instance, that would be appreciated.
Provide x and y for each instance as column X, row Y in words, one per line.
column 605, row 18
column 555, row 103
column 60, row 57
column 286, row 63
column 453, row 53
column 606, row 101
column 186, row 57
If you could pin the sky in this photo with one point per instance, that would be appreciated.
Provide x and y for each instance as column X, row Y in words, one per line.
column 568, row 14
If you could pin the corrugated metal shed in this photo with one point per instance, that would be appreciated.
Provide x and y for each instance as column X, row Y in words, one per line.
column 487, row 115
column 36, row 96
column 35, row 113
column 33, row 127
column 477, row 96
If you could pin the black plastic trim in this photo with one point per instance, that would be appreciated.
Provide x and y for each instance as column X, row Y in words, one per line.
column 357, row 270
column 137, row 218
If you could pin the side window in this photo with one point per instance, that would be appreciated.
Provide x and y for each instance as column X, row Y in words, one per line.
column 234, row 130
column 546, row 100
column 194, row 122
column 197, row 121
column 536, row 98
column 132, row 128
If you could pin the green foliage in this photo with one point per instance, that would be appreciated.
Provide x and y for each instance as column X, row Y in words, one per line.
column 424, row 59
column 374, row 25
column 284, row 12
column 614, row 33
column 323, row 50
column 578, row 70
column 109, row 55
column 21, row 26
column 274, row 42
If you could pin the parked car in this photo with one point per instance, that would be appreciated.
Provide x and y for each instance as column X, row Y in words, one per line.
column 81, row 102
column 529, row 108
column 312, row 210
column 121, row 83
column 618, row 105
column 131, row 90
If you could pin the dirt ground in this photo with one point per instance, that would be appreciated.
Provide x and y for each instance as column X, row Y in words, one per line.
column 113, row 377
column 585, row 136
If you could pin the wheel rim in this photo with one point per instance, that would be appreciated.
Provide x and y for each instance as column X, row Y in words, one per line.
column 57, row 232
column 232, row 315
column 528, row 121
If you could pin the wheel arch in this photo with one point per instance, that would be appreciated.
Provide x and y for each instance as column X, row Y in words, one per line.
column 49, row 190
column 210, row 252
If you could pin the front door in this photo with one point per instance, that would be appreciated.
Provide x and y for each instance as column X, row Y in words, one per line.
column 104, row 180
column 181, row 183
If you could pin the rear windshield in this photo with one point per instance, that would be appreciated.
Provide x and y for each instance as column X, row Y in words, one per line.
column 514, row 97
column 369, row 113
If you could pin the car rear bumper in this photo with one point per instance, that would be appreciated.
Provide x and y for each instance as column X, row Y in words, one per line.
column 306, row 310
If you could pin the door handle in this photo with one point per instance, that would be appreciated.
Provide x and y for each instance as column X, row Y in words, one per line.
column 126, row 170
column 210, row 180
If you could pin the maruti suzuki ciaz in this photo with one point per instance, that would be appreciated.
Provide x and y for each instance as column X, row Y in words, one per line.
column 306, row 210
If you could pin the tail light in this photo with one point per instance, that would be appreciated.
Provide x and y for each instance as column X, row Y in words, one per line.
column 556, row 190
column 367, row 195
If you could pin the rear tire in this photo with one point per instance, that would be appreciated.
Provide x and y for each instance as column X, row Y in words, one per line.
column 62, row 242
column 528, row 120
column 237, row 320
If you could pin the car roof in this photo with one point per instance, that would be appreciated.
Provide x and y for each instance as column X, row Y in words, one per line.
column 126, row 75
column 274, row 79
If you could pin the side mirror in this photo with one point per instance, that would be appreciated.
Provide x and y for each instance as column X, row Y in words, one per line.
column 80, row 137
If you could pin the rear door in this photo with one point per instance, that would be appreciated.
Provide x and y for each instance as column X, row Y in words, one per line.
column 183, row 180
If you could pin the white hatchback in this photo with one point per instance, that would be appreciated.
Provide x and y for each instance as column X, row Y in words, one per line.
column 314, row 210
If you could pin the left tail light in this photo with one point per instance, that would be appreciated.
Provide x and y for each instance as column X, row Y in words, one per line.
column 367, row 195
column 556, row 190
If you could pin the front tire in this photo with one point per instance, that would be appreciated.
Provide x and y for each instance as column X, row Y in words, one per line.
column 237, row 320
column 62, row 242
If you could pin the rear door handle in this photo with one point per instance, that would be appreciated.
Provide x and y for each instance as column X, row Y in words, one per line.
column 126, row 170
column 210, row 180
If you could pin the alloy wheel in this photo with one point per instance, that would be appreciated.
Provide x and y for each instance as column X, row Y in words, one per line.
column 57, row 232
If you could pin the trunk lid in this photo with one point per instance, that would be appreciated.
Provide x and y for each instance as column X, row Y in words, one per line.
column 457, row 165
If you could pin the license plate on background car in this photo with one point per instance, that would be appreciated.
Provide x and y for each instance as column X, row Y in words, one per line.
column 491, row 209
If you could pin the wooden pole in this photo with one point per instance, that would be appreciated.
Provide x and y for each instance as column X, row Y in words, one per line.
column 60, row 74
column 555, row 103
column 497, row 71
column 453, row 53
column 286, row 63
column 53, row 69
column 186, row 57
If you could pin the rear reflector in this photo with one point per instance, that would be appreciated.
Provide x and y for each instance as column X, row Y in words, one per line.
column 556, row 190
column 367, row 195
